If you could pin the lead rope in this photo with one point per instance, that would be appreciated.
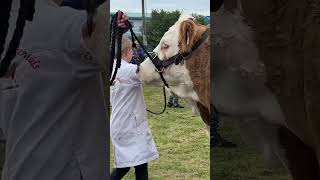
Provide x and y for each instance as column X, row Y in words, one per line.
column 5, row 10
column 116, row 36
column 113, row 42
column 134, row 36
column 26, row 13
column 144, row 49
column 165, row 103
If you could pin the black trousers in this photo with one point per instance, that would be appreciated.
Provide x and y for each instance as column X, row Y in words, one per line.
column 141, row 172
column 173, row 100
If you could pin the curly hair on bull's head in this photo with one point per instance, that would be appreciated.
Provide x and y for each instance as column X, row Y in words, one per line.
column 190, row 32
column 187, row 36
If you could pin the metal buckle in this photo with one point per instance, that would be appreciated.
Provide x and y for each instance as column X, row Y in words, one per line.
column 155, row 55
column 185, row 57
column 160, row 70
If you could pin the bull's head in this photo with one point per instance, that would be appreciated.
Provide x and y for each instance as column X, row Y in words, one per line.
column 179, row 38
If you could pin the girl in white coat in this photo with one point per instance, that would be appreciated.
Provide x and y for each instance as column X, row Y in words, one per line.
column 130, row 134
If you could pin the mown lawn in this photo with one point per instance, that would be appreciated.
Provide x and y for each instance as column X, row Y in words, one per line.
column 182, row 142
column 243, row 162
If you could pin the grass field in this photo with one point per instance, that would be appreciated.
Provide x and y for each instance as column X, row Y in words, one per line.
column 183, row 146
column 243, row 162
column 182, row 142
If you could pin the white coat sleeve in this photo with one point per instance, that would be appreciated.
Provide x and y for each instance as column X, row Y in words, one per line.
column 133, row 75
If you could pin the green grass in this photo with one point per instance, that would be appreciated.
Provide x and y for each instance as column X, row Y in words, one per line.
column 182, row 142
column 243, row 162
column 183, row 146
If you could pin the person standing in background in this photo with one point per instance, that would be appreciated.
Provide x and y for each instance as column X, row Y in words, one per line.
column 138, row 53
column 174, row 102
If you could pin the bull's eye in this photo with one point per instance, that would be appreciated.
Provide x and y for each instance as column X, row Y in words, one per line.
column 165, row 46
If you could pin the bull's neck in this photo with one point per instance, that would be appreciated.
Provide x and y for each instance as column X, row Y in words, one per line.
column 201, row 29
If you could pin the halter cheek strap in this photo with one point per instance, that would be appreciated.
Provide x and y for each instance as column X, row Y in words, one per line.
column 186, row 56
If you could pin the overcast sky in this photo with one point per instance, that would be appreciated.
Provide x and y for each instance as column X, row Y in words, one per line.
column 187, row 6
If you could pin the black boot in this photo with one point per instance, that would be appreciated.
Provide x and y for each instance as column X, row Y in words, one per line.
column 178, row 106
column 176, row 102
column 170, row 102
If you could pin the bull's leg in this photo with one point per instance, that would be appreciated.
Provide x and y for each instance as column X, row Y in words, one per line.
column 302, row 160
column 204, row 113
column 208, row 132
column 208, row 129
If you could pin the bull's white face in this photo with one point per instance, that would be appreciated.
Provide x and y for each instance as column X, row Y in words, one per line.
column 177, row 76
column 168, row 45
column 167, row 48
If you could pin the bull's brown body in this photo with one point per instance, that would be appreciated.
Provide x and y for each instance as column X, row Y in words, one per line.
column 198, row 65
column 288, row 39
column 199, row 69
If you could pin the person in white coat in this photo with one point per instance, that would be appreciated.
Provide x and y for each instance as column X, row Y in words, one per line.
column 52, row 109
column 130, row 133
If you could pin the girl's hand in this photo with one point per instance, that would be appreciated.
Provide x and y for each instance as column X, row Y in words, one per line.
column 122, row 18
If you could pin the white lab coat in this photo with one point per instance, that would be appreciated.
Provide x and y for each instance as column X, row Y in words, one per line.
column 52, row 112
column 130, row 133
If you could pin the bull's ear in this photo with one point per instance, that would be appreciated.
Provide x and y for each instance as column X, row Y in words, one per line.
column 187, row 35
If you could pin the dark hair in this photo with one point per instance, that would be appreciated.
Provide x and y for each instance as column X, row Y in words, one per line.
column 26, row 12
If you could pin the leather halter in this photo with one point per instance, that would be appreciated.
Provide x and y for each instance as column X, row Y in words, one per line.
column 160, row 65
column 176, row 59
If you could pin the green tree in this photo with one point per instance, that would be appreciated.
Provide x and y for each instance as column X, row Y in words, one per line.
column 200, row 18
column 159, row 23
